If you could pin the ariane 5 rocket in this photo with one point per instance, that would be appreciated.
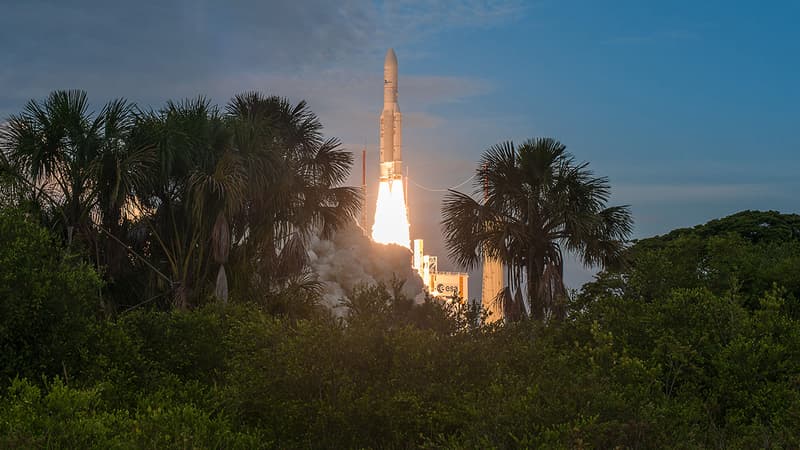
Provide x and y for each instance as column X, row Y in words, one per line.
column 391, row 122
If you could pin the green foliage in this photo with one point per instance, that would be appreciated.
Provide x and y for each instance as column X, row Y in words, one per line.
column 692, row 370
column 64, row 417
column 367, row 386
column 376, row 306
column 726, row 375
column 755, row 226
column 695, row 343
column 743, row 254
column 713, row 310
column 183, row 344
column 47, row 300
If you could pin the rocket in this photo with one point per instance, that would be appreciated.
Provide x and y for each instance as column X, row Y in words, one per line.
column 391, row 122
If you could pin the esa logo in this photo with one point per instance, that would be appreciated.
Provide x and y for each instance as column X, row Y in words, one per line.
column 442, row 289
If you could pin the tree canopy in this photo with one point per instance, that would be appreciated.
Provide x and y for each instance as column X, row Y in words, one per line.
column 183, row 202
column 742, row 255
column 537, row 203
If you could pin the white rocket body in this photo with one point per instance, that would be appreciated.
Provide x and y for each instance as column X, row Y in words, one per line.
column 391, row 122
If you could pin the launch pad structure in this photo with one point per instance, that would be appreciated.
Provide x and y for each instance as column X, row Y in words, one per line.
column 442, row 285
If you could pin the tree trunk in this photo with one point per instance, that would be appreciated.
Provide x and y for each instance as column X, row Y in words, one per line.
column 180, row 296
column 221, row 290
column 537, row 302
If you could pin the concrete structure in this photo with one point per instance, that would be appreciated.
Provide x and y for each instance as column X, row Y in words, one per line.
column 391, row 123
column 492, row 280
column 442, row 285
column 491, row 285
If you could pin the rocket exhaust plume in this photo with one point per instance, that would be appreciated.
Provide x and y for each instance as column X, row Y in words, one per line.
column 350, row 259
column 391, row 215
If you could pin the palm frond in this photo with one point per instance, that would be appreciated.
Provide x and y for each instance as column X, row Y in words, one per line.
column 463, row 225
column 327, row 164
column 536, row 200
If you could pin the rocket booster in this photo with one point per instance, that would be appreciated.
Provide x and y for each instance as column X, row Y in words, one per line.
column 391, row 122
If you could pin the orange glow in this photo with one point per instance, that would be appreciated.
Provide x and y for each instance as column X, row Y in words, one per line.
column 391, row 216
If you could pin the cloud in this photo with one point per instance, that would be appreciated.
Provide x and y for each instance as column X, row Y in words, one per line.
column 440, row 89
column 417, row 18
column 279, row 36
column 209, row 34
column 151, row 50
column 688, row 193
column 421, row 120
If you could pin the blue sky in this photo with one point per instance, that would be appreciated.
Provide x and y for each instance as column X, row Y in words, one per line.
column 690, row 108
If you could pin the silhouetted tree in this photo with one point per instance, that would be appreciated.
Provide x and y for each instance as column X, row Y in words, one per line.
column 538, row 203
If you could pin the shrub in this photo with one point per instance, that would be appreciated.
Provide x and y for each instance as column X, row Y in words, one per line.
column 47, row 301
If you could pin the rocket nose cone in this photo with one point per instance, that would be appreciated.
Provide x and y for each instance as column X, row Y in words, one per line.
column 391, row 58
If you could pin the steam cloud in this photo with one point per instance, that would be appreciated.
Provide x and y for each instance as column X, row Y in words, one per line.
column 351, row 259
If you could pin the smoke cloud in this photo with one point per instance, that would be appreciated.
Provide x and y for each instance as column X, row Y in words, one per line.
column 350, row 259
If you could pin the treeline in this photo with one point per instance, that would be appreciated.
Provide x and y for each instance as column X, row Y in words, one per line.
column 180, row 204
column 707, row 360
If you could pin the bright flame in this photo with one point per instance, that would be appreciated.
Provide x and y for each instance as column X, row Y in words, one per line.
column 391, row 216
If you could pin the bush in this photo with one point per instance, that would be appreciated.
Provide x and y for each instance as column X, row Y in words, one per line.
column 64, row 417
column 692, row 364
column 47, row 302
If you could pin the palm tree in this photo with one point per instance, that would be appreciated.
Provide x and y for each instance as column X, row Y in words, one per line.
column 14, row 190
column 79, row 165
column 52, row 146
column 218, row 183
column 234, row 198
column 185, row 198
column 293, row 191
column 122, row 164
column 538, row 203
column 78, row 170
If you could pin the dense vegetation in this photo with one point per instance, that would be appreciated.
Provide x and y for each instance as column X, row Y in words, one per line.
column 693, row 341
column 694, row 363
